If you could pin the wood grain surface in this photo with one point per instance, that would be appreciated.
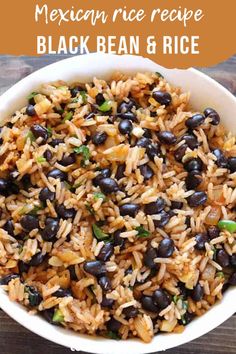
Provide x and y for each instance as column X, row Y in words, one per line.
column 15, row 339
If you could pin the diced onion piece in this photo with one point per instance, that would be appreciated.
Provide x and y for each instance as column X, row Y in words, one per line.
column 117, row 153
column 168, row 326
column 209, row 272
column 213, row 216
column 42, row 107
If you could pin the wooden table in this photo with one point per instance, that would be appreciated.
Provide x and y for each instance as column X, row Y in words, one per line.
column 14, row 339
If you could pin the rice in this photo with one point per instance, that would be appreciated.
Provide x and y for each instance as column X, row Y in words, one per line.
column 110, row 198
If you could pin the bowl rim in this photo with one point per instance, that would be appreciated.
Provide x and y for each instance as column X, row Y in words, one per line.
column 61, row 336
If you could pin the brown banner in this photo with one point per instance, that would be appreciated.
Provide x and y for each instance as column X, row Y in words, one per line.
column 173, row 33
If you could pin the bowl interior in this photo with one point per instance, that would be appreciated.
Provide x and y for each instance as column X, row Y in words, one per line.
column 205, row 92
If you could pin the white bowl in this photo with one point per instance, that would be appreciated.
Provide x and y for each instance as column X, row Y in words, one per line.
column 204, row 92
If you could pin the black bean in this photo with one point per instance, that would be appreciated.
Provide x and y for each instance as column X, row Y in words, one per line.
column 195, row 121
column 129, row 271
column 176, row 205
column 221, row 161
column 153, row 114
column 113, row 325
column 57, row 174
column 117, row 240
column 146, row 172
column 149, row 256
column 184, row 292
column 147, row 133
column 222, row 258
column 161, row 298
column 9, row 227
column 32, row 101
column 107, row 302
column 125, row 126
column 187, row 318
column 50, row 230
column 65, row 213
column 46, row 194
column 37, row 259
column 154, row 207
column 96, row 268
column 197, row 199
column 213, row 232
column 153, row 150
column 120, row 171
column 30, row 111
column 129, row 209
column 130, row 312
column 193, row 180
column 62, row 293
column 73, row 275
column 5, row 280
column 108, row 185
column 104, row 173
column 106, row 252
column 48, row 155
column 148, row 304
column 124, row 106
column 197, row 293
column 193, row 165
column 26, row 182
column 164, row 98
column 180, row 152
column 166, row 137
column 201, row 239
column 100, row 99
column 48, row 315
column 143, row 142
column 76, row 90
column 166, row 248
column 23, row 267
column 232, row 279
column 128, row 115
column 99, row 138
column 211, row 113
column 190, row 141
column 56, row 142
column 233, row 260
column 13, row 175
column 29, row 222
column 164, row 219
column 3, row 186
column 232, row 164
column 13, row 189
column 40, row 132
column 105, row 283
column 34, row 296
column 68, row 159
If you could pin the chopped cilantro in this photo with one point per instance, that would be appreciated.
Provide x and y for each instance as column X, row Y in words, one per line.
column 90, row 209
column 58, row 316
column 30, row 136
column 68, row 116
column 84, row 151
column 98, row 195
column 99, row 233
column 142, row 232
column 113, row 335
column 31, row 95
column 49, row 130
column 106, row 106
column 41, row 159
column 84, row 96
